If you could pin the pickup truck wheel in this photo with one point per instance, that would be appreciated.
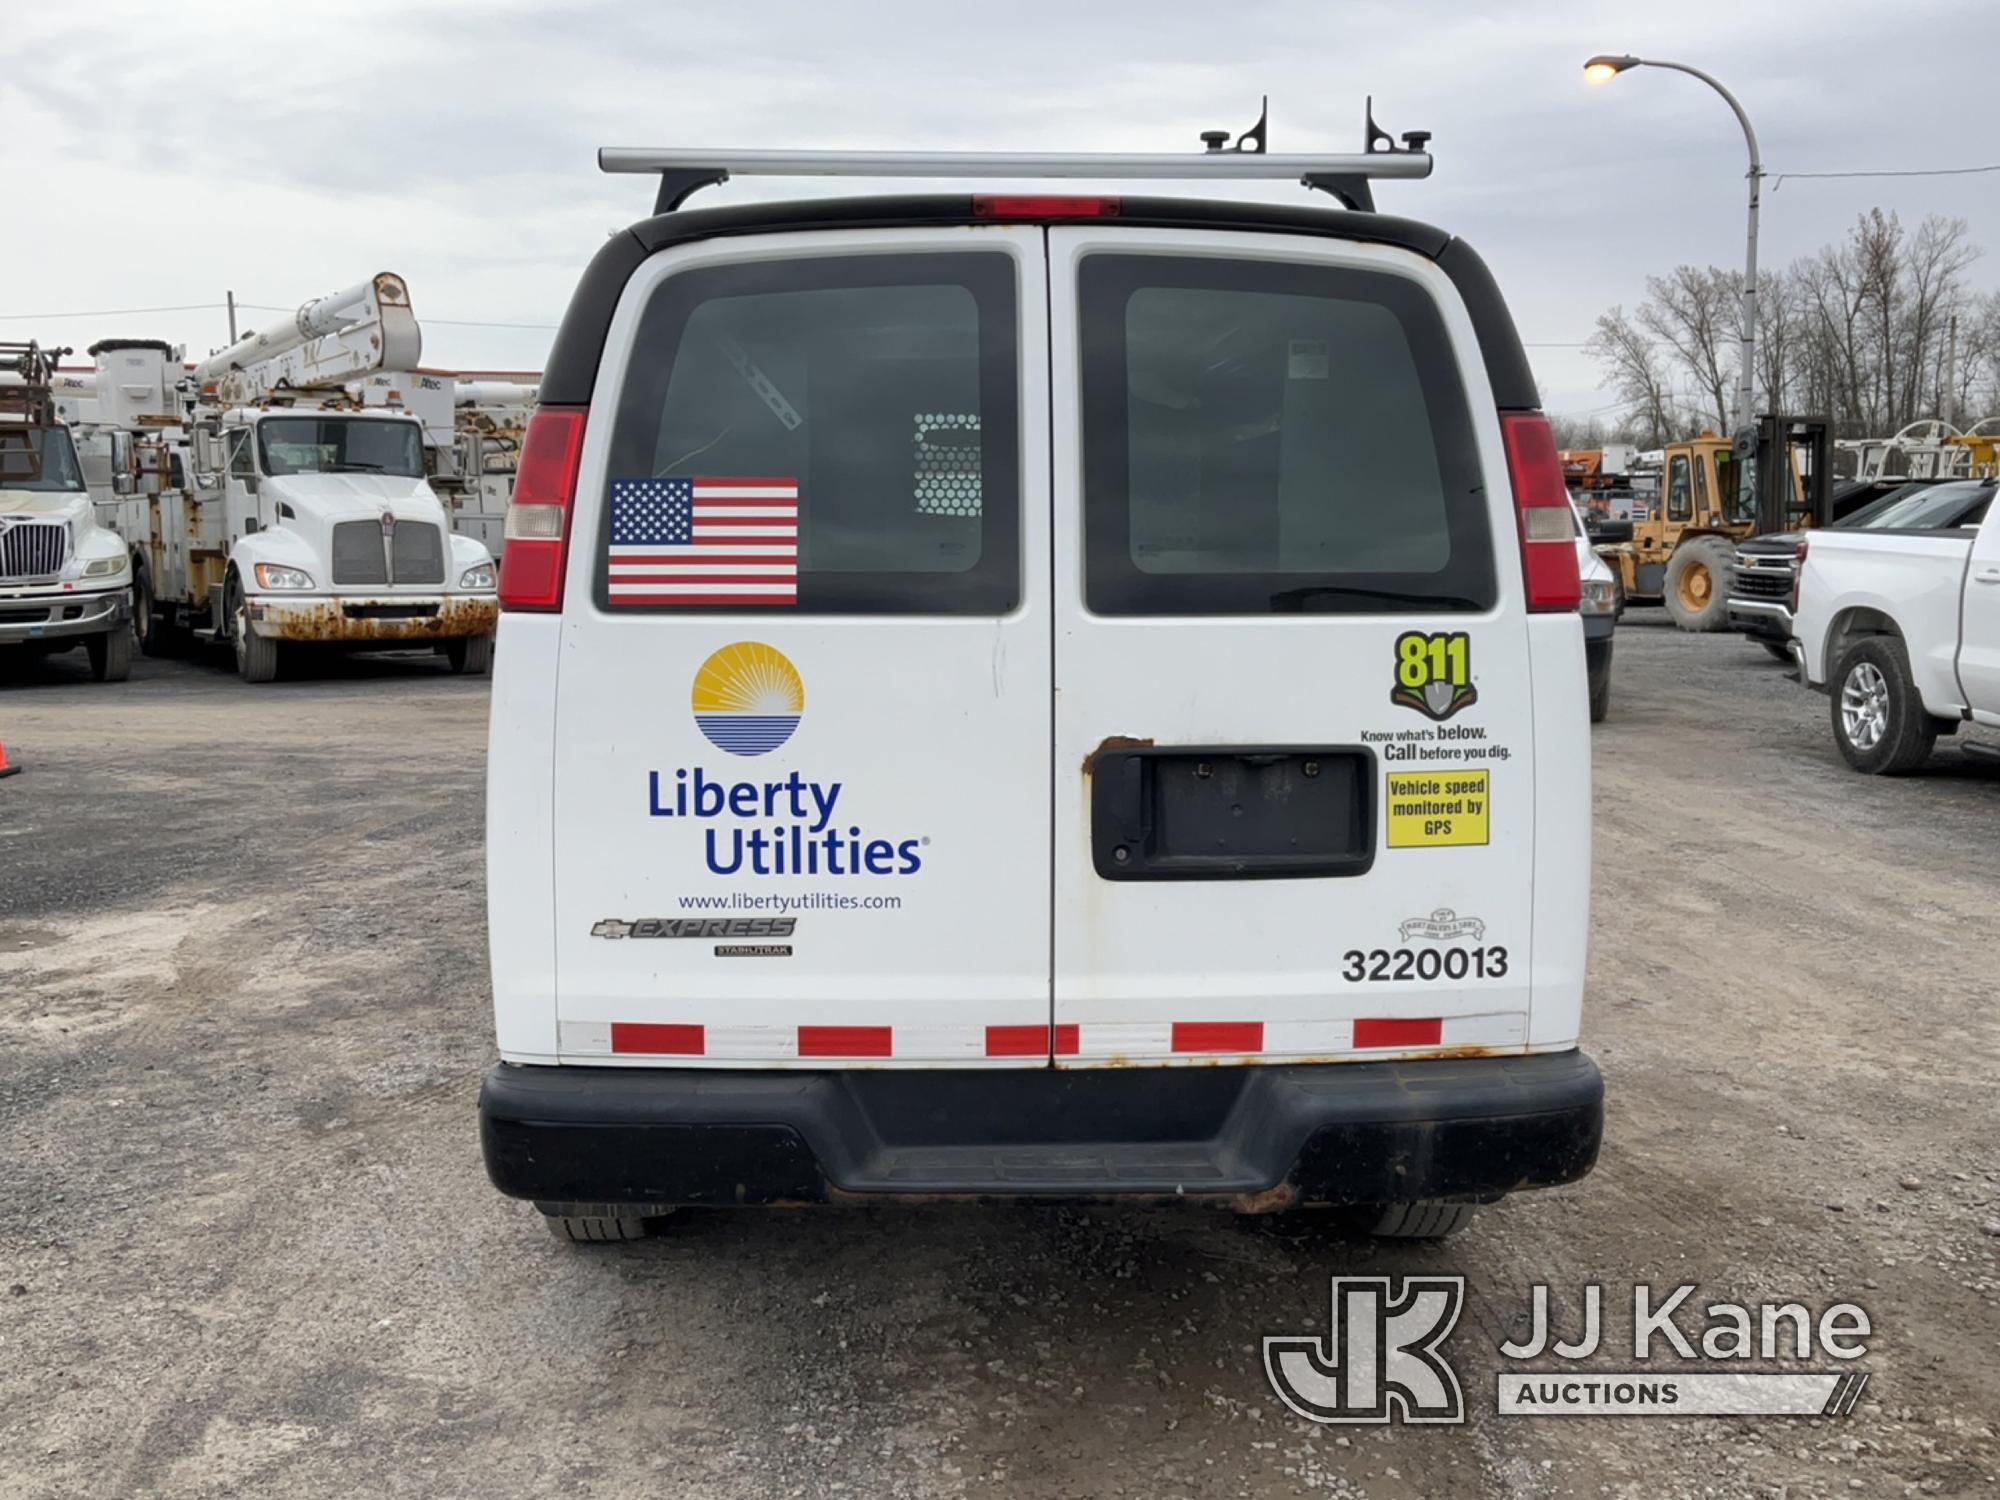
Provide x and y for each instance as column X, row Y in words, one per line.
column 595, row 1223
column 471, row 655
column 1697, row 583
column 1425, row 1219
column 1879, row 721
column 110, row 655
column 256, row 656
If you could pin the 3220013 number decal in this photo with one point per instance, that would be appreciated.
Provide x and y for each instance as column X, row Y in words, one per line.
column 1380, row 965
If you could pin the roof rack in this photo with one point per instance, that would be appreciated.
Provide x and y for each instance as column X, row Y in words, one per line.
column 683, row 172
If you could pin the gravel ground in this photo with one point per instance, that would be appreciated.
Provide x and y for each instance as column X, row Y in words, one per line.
column 247, row 1248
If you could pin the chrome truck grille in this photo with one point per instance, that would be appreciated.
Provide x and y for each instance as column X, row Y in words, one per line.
column 415, row 554
column 1766, row 578
column 32, row 549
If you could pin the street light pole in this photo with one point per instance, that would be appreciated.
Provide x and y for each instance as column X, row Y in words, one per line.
column 1603, row 68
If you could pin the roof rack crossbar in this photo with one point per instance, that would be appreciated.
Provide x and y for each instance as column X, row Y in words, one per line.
column 1345, row 176
column 1193, row 166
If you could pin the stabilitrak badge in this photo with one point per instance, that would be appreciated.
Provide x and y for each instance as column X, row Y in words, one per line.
column 1434, row 673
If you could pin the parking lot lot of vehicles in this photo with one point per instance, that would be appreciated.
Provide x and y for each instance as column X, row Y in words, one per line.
column 248, row 1248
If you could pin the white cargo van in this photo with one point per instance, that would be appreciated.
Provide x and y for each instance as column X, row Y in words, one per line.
column 1038, row 697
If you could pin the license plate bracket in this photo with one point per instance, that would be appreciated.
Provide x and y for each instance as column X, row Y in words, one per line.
column 1233, row 812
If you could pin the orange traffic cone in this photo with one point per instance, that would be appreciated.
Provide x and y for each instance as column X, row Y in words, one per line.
column 5, row 769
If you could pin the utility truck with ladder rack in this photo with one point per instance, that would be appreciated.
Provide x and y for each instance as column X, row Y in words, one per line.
column 1022, row 695
column 273, row 508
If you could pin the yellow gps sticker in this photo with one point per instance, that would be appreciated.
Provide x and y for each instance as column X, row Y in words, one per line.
column 1437, row 809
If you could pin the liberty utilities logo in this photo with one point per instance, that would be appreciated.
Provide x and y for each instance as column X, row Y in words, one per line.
column 1380, row 1360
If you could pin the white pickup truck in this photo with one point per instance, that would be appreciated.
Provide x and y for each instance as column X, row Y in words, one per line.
column 1902, row 629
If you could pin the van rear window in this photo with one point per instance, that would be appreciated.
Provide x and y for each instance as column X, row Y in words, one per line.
column 886, row 386
column 1263, row 437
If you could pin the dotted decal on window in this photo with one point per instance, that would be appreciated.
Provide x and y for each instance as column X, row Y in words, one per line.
column 947, row 482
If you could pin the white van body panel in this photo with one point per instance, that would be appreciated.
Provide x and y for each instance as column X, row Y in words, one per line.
column 520, row 836
column 963, row 741
column 1235, row 970
column 928, row 732
column 1560, row 744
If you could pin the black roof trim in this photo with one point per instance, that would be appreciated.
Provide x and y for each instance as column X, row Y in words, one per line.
column 579, row 343
column 112, row 346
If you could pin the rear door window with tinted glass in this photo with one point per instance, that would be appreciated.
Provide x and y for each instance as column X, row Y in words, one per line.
column 1266, row 437
column 886, row 386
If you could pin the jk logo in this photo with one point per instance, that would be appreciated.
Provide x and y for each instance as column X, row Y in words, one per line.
column 1379, row 1362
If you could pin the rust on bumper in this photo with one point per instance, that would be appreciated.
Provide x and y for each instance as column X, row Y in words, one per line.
column 352, row 621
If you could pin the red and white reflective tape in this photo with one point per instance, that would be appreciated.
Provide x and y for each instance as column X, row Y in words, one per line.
column 1085, row 1041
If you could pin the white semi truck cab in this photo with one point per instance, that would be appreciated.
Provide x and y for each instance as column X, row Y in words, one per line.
column 276, row 508
column 64, row 579
column 334, row 537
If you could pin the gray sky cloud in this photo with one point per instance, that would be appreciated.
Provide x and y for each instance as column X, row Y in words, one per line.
column 171, row 153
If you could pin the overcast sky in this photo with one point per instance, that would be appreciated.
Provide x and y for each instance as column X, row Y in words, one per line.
column 160, row 154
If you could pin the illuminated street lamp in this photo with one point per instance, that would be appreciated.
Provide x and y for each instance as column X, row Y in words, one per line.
column 1605, row 67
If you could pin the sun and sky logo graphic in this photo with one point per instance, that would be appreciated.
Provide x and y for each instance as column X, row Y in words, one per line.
column 748, row 698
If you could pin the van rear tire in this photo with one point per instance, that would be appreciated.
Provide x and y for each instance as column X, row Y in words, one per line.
column 596, row 1223
column 1425, row 1219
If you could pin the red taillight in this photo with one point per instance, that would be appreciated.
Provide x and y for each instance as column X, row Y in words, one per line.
column 1541, row 504
column 537, row 530
column 1039, row 206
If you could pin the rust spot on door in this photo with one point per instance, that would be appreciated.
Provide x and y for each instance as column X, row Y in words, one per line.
column 1115, row 742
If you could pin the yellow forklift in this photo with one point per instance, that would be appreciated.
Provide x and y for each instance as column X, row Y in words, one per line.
column 1714, row 492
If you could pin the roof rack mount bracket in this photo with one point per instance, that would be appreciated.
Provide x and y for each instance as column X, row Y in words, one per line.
column 678, row 184
column 1349, row 188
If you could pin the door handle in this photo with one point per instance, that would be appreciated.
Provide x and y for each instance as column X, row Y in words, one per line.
column 1134, row 802
column 1987, row 575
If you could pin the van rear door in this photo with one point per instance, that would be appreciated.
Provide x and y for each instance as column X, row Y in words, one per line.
column 802, row 792
column 1295, row 809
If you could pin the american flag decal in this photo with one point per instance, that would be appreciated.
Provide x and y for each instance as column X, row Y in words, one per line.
column 704, row 541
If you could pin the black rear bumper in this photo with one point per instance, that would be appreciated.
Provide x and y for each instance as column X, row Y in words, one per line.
column 1257, row 1137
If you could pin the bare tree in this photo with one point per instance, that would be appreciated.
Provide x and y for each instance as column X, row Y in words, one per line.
column 1834, row 305
column 1876, row 331
column 1636, row 374
column 1694, row 313
column 1976, row 382
column 1939, row 255
column 1778, row 323
column 1878, row 243
column 1586, row 431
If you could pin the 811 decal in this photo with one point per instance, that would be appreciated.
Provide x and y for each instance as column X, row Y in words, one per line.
column 1434, row 673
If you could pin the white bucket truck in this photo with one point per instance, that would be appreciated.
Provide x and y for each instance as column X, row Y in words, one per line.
column 274, row 509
